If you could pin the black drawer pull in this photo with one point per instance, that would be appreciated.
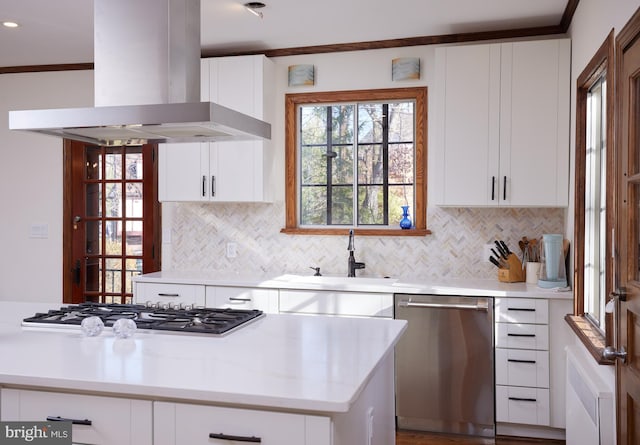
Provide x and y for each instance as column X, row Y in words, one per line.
column 513, row 360
column 73, row 421
column 236, row 438
column 239, row 299
column 521, row 335
column 521, row 399
column 521, row 309
column 493, row 188
column 168, row 295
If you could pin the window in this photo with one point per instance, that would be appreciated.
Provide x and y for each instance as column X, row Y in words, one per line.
column 594, row 212
column 595, row 203
column 354, row 159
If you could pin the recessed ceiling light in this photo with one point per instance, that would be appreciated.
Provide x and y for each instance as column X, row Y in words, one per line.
column 253, row 8
column 10, row 24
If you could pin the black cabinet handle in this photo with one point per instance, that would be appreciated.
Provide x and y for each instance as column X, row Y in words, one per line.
column 521, row 335
column 493, row 188
column 168, row 295
column 513, row 360
column 73, row 421
column 239, row 299
column 252, row 439
column 504, row 189
column 521, row 399
column 204, row 186
column 213, row 185
column 521, row 309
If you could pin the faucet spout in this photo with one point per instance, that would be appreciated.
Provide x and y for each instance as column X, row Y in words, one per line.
column 353, row 264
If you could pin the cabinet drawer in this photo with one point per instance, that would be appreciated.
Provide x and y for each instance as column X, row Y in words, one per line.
column 113, row 420
column 178, row 424
column 168, row 293
column 265, row 300
column 522, row 336
column 522, row 405
column 519, row 367
column 522, row 310
column 336, row 303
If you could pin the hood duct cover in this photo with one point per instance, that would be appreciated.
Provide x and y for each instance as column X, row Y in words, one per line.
column 146, row 83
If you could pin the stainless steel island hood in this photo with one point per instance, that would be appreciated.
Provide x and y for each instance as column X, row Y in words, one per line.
column 146, row 83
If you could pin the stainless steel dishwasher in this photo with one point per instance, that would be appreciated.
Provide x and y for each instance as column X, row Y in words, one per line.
column 445, row 364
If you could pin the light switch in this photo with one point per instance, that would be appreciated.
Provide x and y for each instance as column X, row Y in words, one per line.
column 40, row 231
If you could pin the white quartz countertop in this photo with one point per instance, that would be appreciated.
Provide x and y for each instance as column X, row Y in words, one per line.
column 449, row 286
column 292, row 362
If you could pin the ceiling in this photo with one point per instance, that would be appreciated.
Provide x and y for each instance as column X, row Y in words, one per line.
column 61, row 31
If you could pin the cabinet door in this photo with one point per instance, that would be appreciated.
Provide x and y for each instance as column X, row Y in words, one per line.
column 467, row 125
column 183, row 172
column 236, row 171
column 170, row 294
column 335, row 303
column 534, row 126
column 103, row 420
column 265, row 300
column 177, row 424
column 237, row 168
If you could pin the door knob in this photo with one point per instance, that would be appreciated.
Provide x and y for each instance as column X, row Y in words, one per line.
column 610, row 353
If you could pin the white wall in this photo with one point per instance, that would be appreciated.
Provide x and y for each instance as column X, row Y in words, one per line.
column 31, row 185
column 591, row 24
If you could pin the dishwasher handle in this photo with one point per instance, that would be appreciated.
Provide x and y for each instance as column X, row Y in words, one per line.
column 480, row 305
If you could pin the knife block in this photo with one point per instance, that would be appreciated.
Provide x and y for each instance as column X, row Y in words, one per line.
column 513, row 273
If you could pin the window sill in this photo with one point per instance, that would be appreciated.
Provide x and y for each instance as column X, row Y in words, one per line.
column 356, row 231
column 591, row 337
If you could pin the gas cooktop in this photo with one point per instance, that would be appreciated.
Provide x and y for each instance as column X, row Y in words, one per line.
column 212, row 321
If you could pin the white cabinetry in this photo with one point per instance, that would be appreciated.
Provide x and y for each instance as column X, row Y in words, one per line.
column 96, row 419
column 522, row 371
column 336, row 303
column 170, row 294
column 178, row 423
column 531, row 336
column 502, row 124
column 265, row 300
column 224, row 171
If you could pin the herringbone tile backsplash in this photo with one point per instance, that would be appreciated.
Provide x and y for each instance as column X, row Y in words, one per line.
column 200, row 233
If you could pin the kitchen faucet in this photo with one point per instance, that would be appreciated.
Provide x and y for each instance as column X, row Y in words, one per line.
column 353, row 264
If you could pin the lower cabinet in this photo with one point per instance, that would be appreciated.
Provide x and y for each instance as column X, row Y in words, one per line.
column 265, row 300
column 336, row 303
column 170, row 294
column 530, row 339
column 179, row 423
column 96, row 419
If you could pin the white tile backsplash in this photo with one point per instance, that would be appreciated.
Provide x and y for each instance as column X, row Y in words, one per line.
column 200, row 232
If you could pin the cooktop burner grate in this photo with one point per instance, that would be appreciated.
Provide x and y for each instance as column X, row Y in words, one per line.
column 216, row 321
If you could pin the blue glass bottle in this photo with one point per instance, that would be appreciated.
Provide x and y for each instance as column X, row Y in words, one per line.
column 405, row 222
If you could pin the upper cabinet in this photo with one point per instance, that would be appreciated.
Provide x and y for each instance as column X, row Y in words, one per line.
column 224, row 171
column 502, row 124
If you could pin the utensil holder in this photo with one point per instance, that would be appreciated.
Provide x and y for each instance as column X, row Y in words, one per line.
column 513, row 273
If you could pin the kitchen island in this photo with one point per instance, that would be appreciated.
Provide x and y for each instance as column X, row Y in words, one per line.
column 285, row 378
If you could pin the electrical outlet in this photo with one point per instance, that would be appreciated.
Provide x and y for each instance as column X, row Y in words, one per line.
column 232, row 250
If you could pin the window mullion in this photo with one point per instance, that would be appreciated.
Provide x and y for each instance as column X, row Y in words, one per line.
column 356, row 147
column 385, row 162
column 329, row 157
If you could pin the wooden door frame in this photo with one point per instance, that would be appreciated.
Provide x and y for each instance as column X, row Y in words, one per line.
column 628, row 36
column 72, row 197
